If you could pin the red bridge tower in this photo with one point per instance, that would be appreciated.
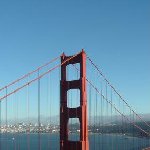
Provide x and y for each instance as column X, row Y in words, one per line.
column 79, row 112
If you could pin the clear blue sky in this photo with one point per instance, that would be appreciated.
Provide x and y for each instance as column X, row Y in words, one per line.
column 116, row 34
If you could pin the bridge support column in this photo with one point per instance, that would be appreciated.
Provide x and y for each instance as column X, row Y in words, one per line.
column 79, row 112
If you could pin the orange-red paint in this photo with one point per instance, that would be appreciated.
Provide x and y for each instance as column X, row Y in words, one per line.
column 79, row 112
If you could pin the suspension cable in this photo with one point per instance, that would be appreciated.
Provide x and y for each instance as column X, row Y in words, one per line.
column 30, row 73
column 117, row 109
column 100, row 72
column 114, row 106
column 40, row 76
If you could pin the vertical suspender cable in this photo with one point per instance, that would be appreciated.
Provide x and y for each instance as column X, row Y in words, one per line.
column 99, row 124
column 119, row 123
column 50, row 104
column 123, row 125
column 99, row 127
column 133, row 132
column 131, row 127
column 47, row 104
column 102, row 125
column 111, row 98
column 96, row 119
column 6, row 121
column 90, row 105
column 138, row 143
column 17, row 121
column 28, row 124
column 96, row 122
column 14, row 126
column 39, row 119
column 116, row 130
column 125, row 128
column 102, row 118
column 106, row 88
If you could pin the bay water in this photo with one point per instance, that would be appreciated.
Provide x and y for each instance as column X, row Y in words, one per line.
column 51, row 142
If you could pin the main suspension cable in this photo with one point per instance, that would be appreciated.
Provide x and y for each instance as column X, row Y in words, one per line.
column 100, row 72
column 117, row 109
column 30, row 73
column 114, row 105
column 40, row 76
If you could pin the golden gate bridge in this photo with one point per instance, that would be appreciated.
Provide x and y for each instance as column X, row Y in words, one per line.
column 68, row 105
